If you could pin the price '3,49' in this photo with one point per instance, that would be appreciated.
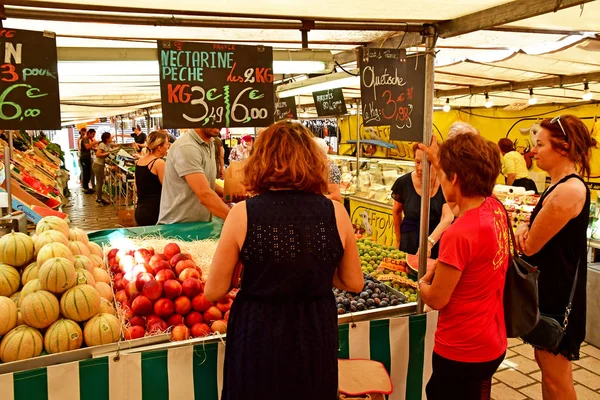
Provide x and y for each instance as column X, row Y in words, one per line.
column 17, row 111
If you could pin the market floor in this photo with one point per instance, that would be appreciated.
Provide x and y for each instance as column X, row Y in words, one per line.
column 519, row 377
column 88, row 215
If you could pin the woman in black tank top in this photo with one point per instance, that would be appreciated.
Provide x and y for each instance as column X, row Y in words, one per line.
column 555, row 241
column 149, row 172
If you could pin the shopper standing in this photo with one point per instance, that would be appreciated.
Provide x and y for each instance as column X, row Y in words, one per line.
column 139, row 138
column 467, row 281
column 102, row 152
column 149, row 174
column 189, row 193
column 514, row 167
column 282, row 338
column 92, row 138
column 406, row 193
column 242, row 150
column 556, row 242
column 335, row 177
column 85, row 160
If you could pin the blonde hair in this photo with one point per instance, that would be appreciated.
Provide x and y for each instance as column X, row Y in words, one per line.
column 156, row 139
column 461, row 127
column 323, row 146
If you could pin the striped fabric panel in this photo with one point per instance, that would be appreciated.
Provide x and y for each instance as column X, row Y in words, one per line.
column 63, row 381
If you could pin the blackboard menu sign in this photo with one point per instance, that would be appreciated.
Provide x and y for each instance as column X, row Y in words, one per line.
column 28, row 80
column 286, row 109
column 392, row 90
column 215, row 85
column 330, row 102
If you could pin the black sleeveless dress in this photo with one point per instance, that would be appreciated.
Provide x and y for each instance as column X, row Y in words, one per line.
column 557, row 262
column 282, row 333
column 148, row 188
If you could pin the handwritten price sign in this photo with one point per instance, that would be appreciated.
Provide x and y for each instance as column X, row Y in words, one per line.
column 392, row 91
column 28, row 80
column 215, row 85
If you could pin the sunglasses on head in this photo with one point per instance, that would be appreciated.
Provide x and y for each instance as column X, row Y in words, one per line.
column 557, row 120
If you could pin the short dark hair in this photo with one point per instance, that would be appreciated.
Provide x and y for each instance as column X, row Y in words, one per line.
column 475, row 161
column 105, row 137
column 506, row 145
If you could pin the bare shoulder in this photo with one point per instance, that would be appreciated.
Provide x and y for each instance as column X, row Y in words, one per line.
column 570, row 195
column 339, row 208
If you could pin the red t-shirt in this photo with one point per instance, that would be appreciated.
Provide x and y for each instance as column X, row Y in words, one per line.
column 471, row 326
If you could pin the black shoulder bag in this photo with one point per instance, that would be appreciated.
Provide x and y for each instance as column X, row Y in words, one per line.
column 548, row 333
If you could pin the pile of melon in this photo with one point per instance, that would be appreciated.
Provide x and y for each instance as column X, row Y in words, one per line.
column 55, row 294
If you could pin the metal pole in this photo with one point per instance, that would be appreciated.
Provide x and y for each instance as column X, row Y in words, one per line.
column 429, row 34
column 357, row 143
column 10, row 144
column 7, row 177
column 148, row 121
column 116, row 129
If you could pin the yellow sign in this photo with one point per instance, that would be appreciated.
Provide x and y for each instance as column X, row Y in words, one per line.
column 376, row 222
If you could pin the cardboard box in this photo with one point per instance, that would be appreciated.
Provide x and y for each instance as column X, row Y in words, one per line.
column 127, row 217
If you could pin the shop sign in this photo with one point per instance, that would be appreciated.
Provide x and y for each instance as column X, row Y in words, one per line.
column 286, row 109
column 374, row 222
column 215, row 85
column 330, row 102
column 392, row 91
column 28, row 80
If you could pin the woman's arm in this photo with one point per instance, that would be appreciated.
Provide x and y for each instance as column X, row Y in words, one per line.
column 397, row 214
column 348, row 275
column 437, row 294
column 159, row 167
column 561, row 206
column 445, row 222
column 334, row 192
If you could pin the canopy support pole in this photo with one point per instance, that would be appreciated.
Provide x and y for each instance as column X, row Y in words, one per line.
column 430, row 37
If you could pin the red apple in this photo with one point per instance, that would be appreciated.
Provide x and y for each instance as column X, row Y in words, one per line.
column 150, row 250
column 224, row 307
column 118, row 281
column 191, row 287
column 193, row 318
column 141, row 306
column 200, row 330
column 121, row 296
column 137, row 320
column 164, row 275
column 153, row 290
column 180, row 332
column 219, row 326
column 150, row 319
column 128, row 312
column 200, row 303
column 183, row 305
column 161, row 265
column 189, row 273
column 142, row 279
column 175, row 319
column 178, row 257
column 134, row 332
column 132, row 273
column 131, row 289
column 164, row 308
column 226, row 316
column 122, row 253
column 126, row 263
column 212, row 314
column 171, row 249
column 172, row 289
column 156, row 258
column 140, row 255
column 184, row 264
column 157, row 326
column 113, row 253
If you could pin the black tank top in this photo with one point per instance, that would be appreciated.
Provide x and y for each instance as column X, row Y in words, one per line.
column 557, row 262
column 148, row 185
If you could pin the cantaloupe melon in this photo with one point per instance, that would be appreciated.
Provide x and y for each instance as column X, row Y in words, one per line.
column 80, row 303
column 30, row 287
column 40, row 309
column 85, row 277
column 102, row 329
column 101, row 275
column 16, row 249
column 10, row 280
column 53, row 250
column 53, row 223
column 83, row 262
column 104, row 290
column 97, row 261
column 96, row 250
column 47, row 237
column 21, row 343
column 63, row 335
column 78, row 235
column 107, row 307
column 29, row 273
column 8, row 315
column 16, row 298
column 79, row 249
column 20, row 320
column 57, row 275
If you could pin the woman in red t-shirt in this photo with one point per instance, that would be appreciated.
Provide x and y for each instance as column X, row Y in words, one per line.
column 470, row 340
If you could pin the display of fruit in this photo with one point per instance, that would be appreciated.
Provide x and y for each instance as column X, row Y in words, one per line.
column 79, row 249
column 63, row 335
column 102, row 329
column 29, row 273
column 53, row 223
column 8, row 315
column 10, row 280
column 79, row 235
column 16, row 249
column 21, row 343
column 83, row 262
column 57, row 275
column 47, row 237
column 374, row 295
column 53, row 250
column 80, row 303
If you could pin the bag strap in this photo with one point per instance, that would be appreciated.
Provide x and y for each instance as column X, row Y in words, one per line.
column 570, row 303
column 513, row 241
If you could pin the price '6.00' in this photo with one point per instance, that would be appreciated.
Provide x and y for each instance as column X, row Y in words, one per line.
column 17, row 110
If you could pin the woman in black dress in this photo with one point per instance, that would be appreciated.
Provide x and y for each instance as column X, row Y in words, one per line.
column 295, row 245
column 556, row 242
column 149, row 173
column 406, row 193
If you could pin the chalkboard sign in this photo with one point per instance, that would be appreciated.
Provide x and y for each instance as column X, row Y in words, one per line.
column 330, row 102
column 392, row 90
column 28, row 80
column 286, row 109
column 215, row 85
